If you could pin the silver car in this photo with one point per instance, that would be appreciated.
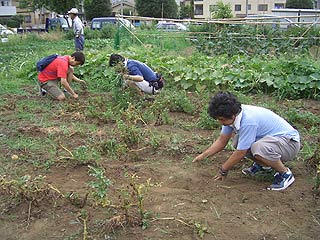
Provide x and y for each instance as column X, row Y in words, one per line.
column 171, row 26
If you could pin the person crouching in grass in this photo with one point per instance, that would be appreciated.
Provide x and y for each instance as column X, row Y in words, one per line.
column 137, row 75
column 259, row 134
column 61, row 71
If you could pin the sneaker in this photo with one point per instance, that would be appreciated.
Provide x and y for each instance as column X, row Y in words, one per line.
column 148, row 99
column 256, row 168
column 282, row 181
column 66, row 92
column 43, row 92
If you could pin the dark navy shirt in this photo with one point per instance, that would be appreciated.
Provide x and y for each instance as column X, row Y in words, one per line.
column 138, row 68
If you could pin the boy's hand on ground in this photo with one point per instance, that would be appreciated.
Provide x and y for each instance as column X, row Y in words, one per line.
column 218, row 177
column 197, row 159
column 84, row 85
column 75, row 96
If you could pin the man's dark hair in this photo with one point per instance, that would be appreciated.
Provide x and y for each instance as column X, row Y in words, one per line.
column 79, row 56
column 115, row 59
column 224, row 104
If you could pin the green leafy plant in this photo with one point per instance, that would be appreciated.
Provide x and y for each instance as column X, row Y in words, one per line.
column 100, row 185
column 200, row 229
column 129, row 134
column 114, row 148
column 205, row 121
column 221, row 10
column 159, row 111
column 179, row 102
column 86, row 154
column 138, row 195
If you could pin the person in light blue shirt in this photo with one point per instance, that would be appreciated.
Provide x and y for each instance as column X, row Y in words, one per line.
column 138, row 75
column 260, row 134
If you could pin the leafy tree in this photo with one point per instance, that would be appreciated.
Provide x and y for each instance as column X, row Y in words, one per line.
column 127, row 11
column 157, row 8
column 304, row 4
column 97, row 8
column 192, row 8
column 12, row 22
column 221, row 11
column 30, row 4
column 57, row 6
column 185, row 11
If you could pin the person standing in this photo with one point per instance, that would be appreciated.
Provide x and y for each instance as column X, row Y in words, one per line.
column 259, row 134
column 78, row 29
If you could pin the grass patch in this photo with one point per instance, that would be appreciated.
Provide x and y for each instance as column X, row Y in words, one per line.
column 127, row 140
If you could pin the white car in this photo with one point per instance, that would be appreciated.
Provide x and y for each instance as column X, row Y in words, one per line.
column 276, row 21
column 4, row 31
column 99, row 22
column 171, row 26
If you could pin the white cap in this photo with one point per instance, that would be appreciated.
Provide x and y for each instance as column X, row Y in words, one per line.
column 73, row 10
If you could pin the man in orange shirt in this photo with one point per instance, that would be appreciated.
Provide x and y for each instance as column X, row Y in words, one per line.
column 61, row 70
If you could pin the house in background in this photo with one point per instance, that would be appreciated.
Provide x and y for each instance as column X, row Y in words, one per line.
column 34, row 19
column 123, row 7
column 240, row 8
column 202, row 9
column 31, row 19
column 7, row 8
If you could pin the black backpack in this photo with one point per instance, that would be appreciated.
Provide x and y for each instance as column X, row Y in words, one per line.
column 158, row 83
column 44, row 62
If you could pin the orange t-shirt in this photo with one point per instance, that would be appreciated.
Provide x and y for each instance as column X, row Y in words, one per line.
column 57, row 69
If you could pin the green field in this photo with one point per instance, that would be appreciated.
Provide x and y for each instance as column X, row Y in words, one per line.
column 111, row 165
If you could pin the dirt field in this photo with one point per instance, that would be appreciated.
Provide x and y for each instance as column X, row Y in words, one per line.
column 185, row 203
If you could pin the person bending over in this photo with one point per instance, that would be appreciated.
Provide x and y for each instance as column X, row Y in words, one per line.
column 138, row 75
column 260, row 134
column 60, row 70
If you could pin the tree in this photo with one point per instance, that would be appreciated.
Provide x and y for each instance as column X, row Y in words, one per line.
column 192, row 8
column 185, row 11
column 58, row 6
column 157, row 8
column 12, row 22
column 30, row 4
column 303, row 4
column 97, row 8
column 221, row 11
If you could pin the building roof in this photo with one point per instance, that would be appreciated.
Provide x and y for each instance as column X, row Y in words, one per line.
column 124, row 3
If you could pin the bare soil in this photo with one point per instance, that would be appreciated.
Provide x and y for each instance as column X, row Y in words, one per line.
column 186, row 200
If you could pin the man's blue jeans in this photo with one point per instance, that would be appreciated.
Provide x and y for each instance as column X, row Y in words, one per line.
column 79, row 43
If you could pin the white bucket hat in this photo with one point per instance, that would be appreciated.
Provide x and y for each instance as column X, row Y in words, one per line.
column 73, row 10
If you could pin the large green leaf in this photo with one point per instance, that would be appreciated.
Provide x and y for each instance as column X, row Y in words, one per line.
column 186, row 85
column 303, row 79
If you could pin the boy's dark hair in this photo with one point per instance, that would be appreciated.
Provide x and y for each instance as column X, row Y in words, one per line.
column 224, row 104
column 79, row 56
column 115, row 59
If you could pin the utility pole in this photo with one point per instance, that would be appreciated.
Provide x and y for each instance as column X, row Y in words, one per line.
column 121, row 9
column 246, row 8
column 162, row 10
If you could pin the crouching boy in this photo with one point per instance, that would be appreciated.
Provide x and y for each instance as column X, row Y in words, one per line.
column 260, row 134
column 60, row 70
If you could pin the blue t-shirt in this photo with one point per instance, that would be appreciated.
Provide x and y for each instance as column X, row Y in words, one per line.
column 138, row 68
column 258, row 122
